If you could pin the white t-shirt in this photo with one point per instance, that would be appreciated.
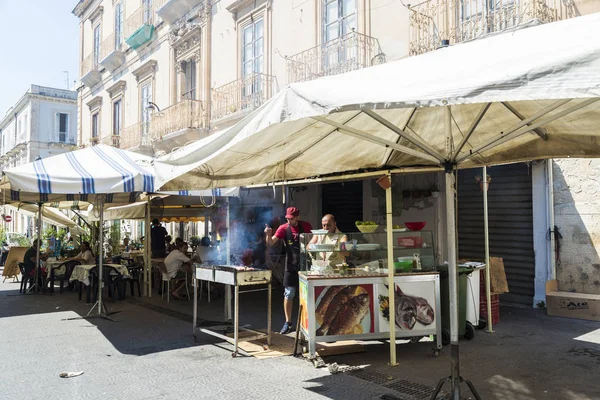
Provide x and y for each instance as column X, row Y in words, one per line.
column 206, row 253
column 87, row 256
column 174, row 261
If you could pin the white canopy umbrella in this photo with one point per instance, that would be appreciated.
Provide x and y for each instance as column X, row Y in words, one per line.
column 528, row 94
column 50, row 215
column 109, row 173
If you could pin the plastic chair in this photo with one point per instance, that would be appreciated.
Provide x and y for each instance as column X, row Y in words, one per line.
column 25, row 278
column 136, row 273
column 167, row 279
column 69, row 266
column 112, row 280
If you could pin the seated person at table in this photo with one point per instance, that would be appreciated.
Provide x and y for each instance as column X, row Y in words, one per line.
column 86, row 255
column 29, row 258
column 125, row 247
column 177, row 263
column 205, row 253
column 170, row 246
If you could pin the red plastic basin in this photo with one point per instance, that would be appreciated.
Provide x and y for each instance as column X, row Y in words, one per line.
column 415, row 226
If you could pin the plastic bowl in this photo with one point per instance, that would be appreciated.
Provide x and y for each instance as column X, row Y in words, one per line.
column 415, row 226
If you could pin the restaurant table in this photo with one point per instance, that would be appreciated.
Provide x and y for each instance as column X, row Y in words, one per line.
column 81, row 273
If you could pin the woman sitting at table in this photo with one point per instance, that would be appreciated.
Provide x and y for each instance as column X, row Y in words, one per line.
column 86, row 255
column 177, row 263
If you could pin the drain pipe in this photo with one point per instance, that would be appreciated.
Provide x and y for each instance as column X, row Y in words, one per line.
column 550, row 175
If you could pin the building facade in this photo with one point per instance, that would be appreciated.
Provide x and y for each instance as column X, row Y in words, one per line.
column 157, row 74
column 42, row 123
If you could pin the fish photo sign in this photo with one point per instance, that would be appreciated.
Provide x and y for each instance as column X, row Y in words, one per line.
column 414, row 303
column 344, row 310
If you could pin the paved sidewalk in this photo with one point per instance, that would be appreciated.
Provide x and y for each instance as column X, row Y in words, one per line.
column 145, row 355
column 149, row 354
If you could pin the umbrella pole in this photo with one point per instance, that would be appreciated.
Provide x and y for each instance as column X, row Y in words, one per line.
column 102, row 311
column 35, row 285
column 488, row 294
column 455, row 379
column 147, row 253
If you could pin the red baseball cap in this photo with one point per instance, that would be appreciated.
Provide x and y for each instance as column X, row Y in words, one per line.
column 292, row 212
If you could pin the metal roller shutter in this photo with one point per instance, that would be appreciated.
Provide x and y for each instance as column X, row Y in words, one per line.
column 345, row 201
column 510, row 225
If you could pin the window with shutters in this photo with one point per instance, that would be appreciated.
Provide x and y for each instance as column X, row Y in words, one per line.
column 95, row 127
column 189, row 73
column 63, row 127
column 118, row 25
column 117, row 112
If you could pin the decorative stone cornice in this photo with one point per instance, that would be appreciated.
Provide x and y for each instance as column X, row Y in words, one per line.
column 185, row 39
column 94, row 103
column 117, row 88
column 96, row 13
column 146, row 69
column 239, row 5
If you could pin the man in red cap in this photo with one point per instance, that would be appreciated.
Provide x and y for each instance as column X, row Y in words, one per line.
column 290, row 234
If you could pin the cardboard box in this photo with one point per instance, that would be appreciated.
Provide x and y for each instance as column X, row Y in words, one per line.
column 571, row 305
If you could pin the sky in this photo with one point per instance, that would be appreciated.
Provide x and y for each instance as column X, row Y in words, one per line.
column 39, row 39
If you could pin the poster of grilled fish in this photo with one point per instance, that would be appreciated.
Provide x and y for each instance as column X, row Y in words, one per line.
column 414, row 306
column 344, row 310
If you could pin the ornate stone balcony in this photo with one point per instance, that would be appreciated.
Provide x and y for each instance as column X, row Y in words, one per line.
column 112, row 140
column 134, row 136
column 139, row 26
column 178, row 124
column 346, row 53
column 112, row 54
column 90, row 74
column 172, row 10
column 435, row 21
column 242, row 95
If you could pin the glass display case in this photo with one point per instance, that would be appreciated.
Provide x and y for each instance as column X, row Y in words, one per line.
column 345, row 291
column 366, row 253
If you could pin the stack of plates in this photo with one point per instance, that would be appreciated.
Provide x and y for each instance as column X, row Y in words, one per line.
column 321, row 247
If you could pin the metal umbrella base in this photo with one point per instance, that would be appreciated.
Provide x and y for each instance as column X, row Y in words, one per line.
column 454, row 379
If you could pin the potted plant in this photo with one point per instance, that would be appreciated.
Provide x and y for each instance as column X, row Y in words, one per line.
column 479, row 180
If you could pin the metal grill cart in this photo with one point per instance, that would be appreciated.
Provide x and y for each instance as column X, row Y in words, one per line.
column 235, row 276
column 344, row 289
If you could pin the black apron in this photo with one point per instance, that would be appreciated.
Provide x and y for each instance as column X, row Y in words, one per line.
column 292, row 248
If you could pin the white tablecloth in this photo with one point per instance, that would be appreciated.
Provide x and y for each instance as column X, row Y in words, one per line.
column 81, row 273
column 53, row 265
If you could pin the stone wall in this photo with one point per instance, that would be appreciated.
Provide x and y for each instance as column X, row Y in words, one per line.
column 577, row 216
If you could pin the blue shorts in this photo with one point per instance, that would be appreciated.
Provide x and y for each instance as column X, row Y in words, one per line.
column 289, row 292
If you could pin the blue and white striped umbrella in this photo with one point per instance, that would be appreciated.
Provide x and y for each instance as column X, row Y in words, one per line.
column 94, row 170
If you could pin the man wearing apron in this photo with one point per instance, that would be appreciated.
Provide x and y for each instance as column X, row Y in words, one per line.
column 290, row 234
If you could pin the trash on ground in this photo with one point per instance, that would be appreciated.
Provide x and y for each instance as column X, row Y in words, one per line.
column 70, row 374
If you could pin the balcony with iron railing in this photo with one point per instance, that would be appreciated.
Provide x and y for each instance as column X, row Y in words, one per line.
column 172, row 10
column 139, row 26
column 242, row 95
column 112, row 53
column 434, row 21
column 134, row 136
column 346, row 53
column 180, row 117
column 90, row 73
column 112, row 140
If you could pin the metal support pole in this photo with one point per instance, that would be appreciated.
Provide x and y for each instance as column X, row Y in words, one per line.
column 227, row 262
column 486, row 235
column 236, row 322
column 391, row 284
column 550, row 174
column 195, row 317
column 100, row 252
column 37, row 254
column 269, row 316
column 147, row 252
column 453, row 283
